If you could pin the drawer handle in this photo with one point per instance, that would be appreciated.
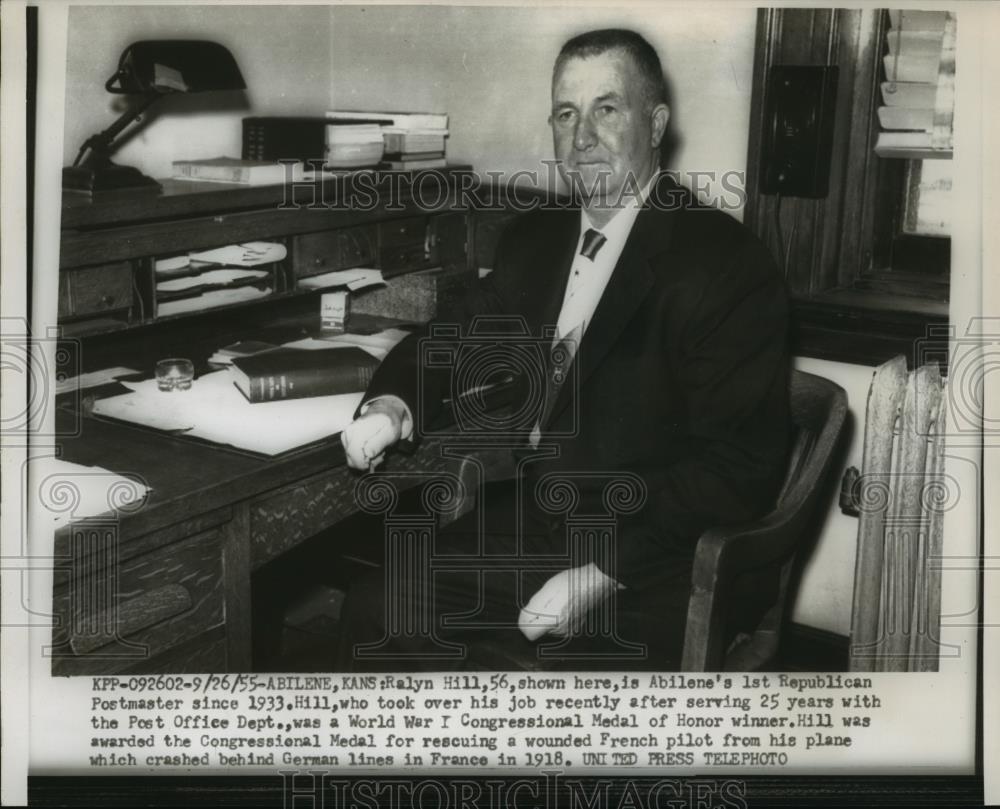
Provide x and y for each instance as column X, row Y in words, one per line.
column 107, row 300
column 134, row 615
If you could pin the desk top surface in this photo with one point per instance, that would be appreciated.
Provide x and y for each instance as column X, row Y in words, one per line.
column 186, row 477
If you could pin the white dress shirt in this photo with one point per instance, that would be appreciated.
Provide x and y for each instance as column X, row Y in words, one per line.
column 588, row 278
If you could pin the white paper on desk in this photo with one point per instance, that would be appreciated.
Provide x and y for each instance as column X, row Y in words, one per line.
column 215, row 410
column 209, row 300
column 314, row 344
column 93, row 379
column 246, row 254
column 378, row 344
column 70, row 491
column 354, row 279
column 220, row 276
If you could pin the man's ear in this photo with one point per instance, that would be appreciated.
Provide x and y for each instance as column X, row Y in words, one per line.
column 658, row 118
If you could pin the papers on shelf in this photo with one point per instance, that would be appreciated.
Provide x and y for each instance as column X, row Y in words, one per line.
column 93, row 379
column 213, row 409
column 171, row 264
column 69, row 491
column 358, row 278
column 221, row 276
column 208, row 300
column 378, row 345
column 247, row 254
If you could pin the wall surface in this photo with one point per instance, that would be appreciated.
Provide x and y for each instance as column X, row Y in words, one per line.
column 491, row 68
column 282, row 51
column 488, row 67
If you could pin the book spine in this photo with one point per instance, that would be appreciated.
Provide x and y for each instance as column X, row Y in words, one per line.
column 306, row 384
column 226, row 174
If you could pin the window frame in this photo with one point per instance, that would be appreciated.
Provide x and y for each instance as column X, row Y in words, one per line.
column 853, row 300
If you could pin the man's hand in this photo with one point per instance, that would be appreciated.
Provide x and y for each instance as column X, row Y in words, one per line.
column 561, row 604
column 367, row 438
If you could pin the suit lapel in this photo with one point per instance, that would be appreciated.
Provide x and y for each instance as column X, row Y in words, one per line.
column 556, row 252
column 629, row 284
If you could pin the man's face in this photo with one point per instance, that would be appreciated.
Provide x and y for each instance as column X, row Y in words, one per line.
column 602, row 129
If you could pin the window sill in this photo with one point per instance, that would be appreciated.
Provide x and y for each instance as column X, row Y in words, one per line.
column 863, row 327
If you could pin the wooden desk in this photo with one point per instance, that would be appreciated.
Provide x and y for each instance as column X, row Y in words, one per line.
column 178, row 569
column 174, row 576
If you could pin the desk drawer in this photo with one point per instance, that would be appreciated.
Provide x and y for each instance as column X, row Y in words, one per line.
column 91, row 290
column 155, row 600
column 291, row 515
column 411, row 230
column 401, row 258
column 314, row 253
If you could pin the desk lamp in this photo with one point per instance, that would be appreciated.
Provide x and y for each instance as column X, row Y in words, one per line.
column 148, row 70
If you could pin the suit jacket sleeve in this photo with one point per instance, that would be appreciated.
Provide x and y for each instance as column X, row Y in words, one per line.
column 734, row 380
column 421, row 385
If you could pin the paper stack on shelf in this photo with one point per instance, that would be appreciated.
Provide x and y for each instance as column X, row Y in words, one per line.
column 357, row 278
column 209, row 300
column 353, row 145
column 413, row 140
column 245, row 254
column 204, row 279
column 219, row 277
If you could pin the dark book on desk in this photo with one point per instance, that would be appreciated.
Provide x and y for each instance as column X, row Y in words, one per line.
column 295, row 373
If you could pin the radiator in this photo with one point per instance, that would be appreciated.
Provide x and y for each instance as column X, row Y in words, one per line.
column 899, row 498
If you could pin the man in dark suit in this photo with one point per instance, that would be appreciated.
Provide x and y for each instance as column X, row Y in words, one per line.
column 674, row 318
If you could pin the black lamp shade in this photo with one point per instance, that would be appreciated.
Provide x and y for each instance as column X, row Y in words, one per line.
column 175, row 65
column 148, row 70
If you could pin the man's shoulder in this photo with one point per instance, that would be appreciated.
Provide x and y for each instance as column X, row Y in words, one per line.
column 548, row 225
column 544, row 218
column 695, row 221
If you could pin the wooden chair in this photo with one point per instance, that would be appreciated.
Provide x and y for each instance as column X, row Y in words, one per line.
column 819, row 411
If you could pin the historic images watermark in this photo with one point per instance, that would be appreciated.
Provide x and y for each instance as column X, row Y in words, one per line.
column 517, row 191
column 323, row 790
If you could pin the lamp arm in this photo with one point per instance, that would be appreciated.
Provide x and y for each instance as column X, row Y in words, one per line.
column 102, row 142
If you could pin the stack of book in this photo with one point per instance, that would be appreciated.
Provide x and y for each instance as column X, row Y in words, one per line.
column 413, row 140
column 234, row 170
column 917, row 94
column 352, row 146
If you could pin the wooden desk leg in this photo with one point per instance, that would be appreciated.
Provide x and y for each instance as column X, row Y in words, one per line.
column 236, row 570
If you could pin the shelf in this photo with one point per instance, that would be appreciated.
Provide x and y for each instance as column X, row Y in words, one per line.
column 191, row 198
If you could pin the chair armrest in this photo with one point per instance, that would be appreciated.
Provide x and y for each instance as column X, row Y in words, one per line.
column 721, row 554
column 725, row 552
